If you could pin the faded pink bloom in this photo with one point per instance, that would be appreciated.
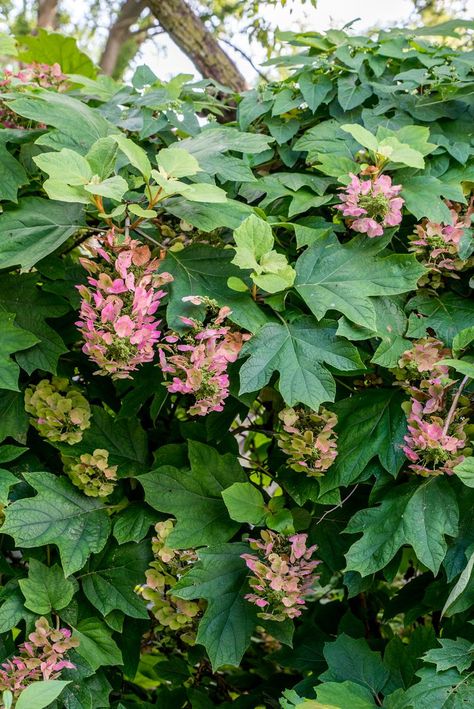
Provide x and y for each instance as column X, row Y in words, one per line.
column 282, row 574
column 431, row 451
column 117, row 315
column 197, row 363
column 371, row 204
column 437, row 245
column 41, row 657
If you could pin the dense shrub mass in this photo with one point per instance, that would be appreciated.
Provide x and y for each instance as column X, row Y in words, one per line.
column 236, row 378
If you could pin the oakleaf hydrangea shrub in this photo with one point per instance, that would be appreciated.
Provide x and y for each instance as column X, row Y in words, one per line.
column 236, row 380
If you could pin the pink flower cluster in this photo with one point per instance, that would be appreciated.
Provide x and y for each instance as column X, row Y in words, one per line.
column 282, row 574
column 435, row 438
column 437, row 245
column 430, row 448
column 197, row 362
column 41, row 657
column 371, row 204
column 44, row 75
column 117, row 315
column 309, row 439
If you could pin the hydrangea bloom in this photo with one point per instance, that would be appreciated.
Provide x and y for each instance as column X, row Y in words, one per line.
column 59, row 411
column 41, row 657
column 428, row 447
column 172, row 613
column 282, row 574
column 117, row 315
column 308, row 439
column 92, row 473
column 435, row 437
column 44, row 75
column 371, row 204
column 437, row 246
column 197, row 362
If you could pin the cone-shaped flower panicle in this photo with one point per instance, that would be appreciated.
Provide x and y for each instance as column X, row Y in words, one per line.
column 118, row 310
column 308, row 439
column 58, row 410
column 196, row 363
column 282, row 574
column 92, row 473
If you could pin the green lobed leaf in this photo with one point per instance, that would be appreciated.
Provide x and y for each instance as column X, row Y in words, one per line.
column 330, row 276
column 298, row 351
column 46, row 589
column 419, row 515
column 220, row 577
column 59, row 515
column 194, row 496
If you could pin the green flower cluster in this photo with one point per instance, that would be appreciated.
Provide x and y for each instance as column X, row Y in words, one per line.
column 171, row 613
column 308, row 439
column 92, row 473
column 58, row 410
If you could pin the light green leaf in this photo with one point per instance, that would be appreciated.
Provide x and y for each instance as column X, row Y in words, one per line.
column 46, row 589
column 297, row 350
column 102, row 156
column 52, row 47
column 176, row 162
column 62, row 192
column 8, row 46
column 96, row 644
column 59, row 515
column 137, row 156
column 342, row 695
column 65, row 166
column 253, row 239
column 422, row 195
column 463, row 366
column 245, row 503
column 220, row 577
column 465, row 471
column 13, row 339
column 140, row 212
column 462, row 340
column 398, row 152
column 40, row 694
column 110, row 578
column 194, row 496
column 419, row 515
column 202, row 192
column 330, row 276
column 113, row 187
column 362, row 135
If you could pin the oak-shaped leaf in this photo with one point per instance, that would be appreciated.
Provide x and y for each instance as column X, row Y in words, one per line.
column 58, row 514
column 220, row 577
column 110, row 578
column 345, row 278
column 298, row 351
column 418, row 515
column 194, row 496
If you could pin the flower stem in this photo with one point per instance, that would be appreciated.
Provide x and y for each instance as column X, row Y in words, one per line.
column 454, row 405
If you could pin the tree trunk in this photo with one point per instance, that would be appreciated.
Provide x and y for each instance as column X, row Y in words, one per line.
column 190, row 34
column 119, row 33
column 47, row 13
